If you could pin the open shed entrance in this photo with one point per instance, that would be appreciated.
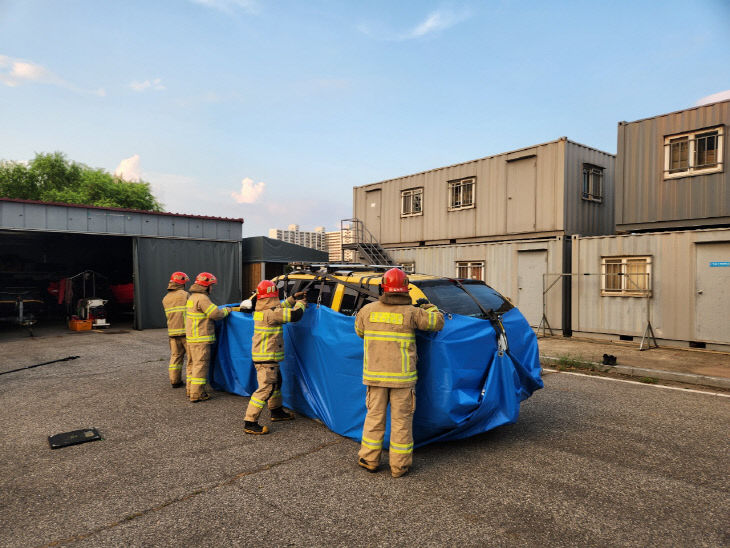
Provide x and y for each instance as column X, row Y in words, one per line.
column 43, row 270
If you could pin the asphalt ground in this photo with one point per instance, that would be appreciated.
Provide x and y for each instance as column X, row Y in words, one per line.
column 590, row 462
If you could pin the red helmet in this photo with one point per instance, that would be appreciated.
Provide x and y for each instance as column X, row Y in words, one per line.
column 179, row 278
column 395, row 281
column 205, row 279
column 266, row 290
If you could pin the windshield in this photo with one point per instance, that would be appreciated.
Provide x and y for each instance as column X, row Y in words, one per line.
column 450, row 298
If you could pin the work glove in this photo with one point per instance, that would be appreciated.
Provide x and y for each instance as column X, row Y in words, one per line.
column 300, row 295
column 423, row 303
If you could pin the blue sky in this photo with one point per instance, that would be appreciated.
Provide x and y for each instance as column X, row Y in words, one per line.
column 273, row 111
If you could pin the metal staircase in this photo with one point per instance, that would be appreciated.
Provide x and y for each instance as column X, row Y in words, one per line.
column 356, row 237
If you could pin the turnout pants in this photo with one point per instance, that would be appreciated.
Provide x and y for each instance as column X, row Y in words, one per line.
column 198, row 359
column 269, row 390
column 402, row 406
column 177, row 357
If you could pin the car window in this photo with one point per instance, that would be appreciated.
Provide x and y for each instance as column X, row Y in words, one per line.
column 452, row 299
column 349, row 301
column 288, row 285
column 328, row 291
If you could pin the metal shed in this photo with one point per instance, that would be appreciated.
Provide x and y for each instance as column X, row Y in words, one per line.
column 41, row 242
column 267, row 258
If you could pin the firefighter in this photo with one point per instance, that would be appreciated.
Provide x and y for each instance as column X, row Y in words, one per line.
column 267, row 350
column 389, row 370
column 174, row 305
column 200, row 315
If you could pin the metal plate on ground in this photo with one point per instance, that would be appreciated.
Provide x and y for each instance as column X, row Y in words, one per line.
column 73, row 438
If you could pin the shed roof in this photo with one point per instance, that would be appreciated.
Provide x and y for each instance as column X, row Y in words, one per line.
column 260, row 249
column 124, row 209
column 31, row 215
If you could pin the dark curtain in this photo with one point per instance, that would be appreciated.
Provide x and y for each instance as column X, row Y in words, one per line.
column 156, row 259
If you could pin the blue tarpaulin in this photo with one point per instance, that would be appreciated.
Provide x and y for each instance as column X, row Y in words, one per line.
column 466, row 386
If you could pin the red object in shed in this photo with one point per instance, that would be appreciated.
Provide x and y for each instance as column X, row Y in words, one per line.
column 123, row 293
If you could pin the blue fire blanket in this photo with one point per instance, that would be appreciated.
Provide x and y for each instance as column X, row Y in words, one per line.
column 465, row 385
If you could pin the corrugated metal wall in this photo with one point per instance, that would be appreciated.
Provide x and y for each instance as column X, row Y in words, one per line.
column 674, row 291
column 553, row 169
column 586, row 217
column 644, row 197
column 60, row 218
column 488, row 218
column 501, row 261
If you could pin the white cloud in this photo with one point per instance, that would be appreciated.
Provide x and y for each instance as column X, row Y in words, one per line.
column 228, row 6
column 186, row 195
column 16, row 72
column 129, row 169
column 250, row 191
column 714, row 98
column 155, row 85
column 435, row 21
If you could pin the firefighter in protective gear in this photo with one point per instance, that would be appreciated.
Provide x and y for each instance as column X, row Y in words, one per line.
column 389, row 370
column 200, row 314
column 174, row 305
column 267, row 351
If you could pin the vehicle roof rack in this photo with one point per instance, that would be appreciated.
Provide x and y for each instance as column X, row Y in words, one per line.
column 330, row 268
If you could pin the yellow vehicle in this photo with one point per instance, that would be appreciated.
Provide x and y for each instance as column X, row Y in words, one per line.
column 346, row 288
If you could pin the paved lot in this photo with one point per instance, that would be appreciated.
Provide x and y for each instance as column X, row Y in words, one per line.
column 681, row 360
column 590, row 462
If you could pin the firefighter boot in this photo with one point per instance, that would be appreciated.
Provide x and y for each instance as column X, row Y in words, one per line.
column 252, row 427
column 399, row 472
column 203, row 397
column 279, row 414
column 369, row 467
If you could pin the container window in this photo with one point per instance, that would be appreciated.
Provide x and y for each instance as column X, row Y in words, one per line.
column 461, row 193
column 592, row 183
column 470, row 270
column 694, row 153
column 626, row 276
column 411, row 202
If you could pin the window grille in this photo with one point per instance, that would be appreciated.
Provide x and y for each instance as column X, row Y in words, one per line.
column 592, row 183
column 461, row 193
column 626, row 276
column 472, row 270
column 411, row 202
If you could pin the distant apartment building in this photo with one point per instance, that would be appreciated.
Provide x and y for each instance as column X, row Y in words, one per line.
column 315, row 240
column 335, row 239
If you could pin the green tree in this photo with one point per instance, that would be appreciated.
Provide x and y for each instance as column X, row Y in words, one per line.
column 53, row 178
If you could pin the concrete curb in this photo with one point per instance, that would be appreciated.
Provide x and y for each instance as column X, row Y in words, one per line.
column 688, row 378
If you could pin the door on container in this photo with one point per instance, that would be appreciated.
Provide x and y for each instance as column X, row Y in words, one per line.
column 531, row 265
column 372, row 212
column 521, row 181
column 712, row 298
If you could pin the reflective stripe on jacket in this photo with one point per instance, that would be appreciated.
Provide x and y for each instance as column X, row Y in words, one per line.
column 174, row 305
column 388, row 329
column 200, row 316
column 268, row 331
